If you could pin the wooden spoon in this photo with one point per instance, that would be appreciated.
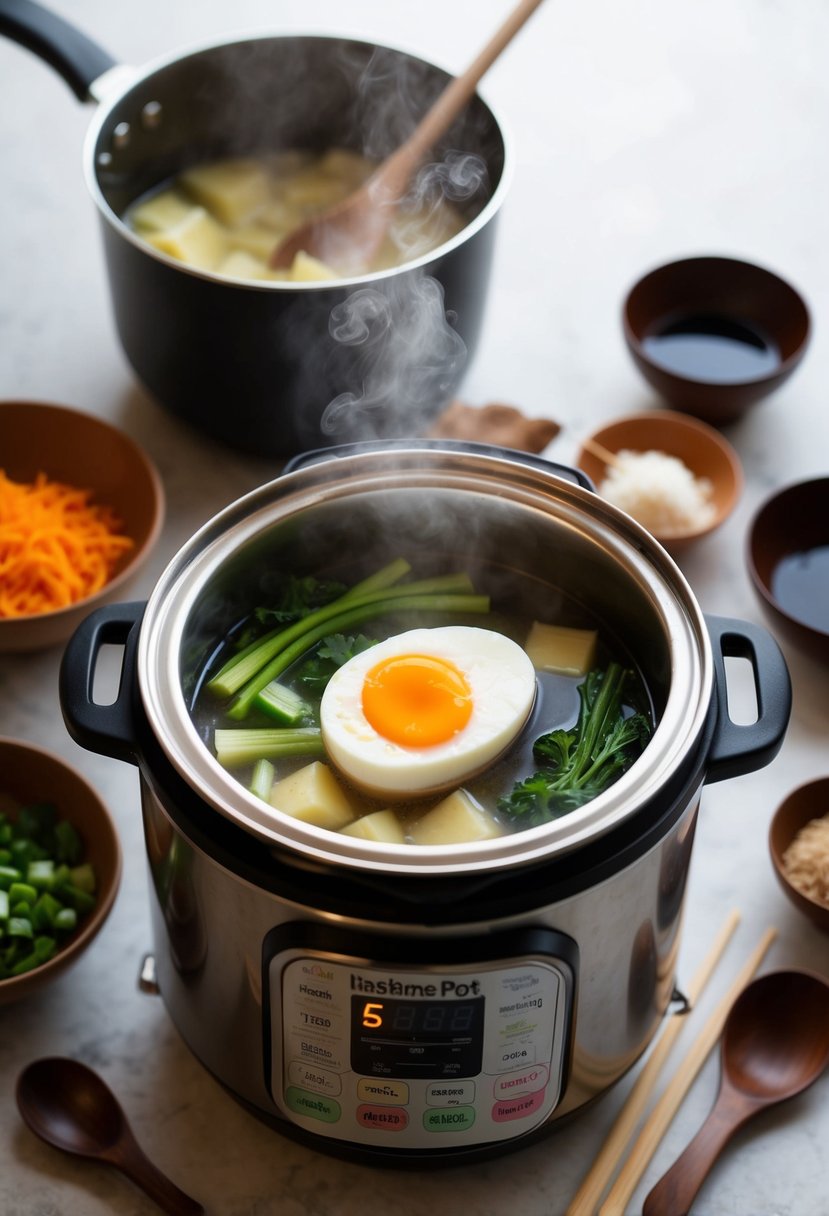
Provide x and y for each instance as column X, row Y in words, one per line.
column 347, row 235
column 775, row 1043
column 70, row 1107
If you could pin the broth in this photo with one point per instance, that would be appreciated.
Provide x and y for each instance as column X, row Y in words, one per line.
column 556, row 704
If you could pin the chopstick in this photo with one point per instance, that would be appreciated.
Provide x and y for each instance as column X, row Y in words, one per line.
column 667, row 1106
column 592, row 1187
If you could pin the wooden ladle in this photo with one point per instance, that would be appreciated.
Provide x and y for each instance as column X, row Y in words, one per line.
column 71, row 1107
column 347, row 235
column 775, row 1043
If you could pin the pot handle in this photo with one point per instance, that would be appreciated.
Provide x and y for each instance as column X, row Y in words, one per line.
column 317, row 455
column 106, row 729
column 738, row 749
column 78, row 59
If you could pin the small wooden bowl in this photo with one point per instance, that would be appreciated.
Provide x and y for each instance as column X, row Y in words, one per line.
column 807, row 802
column 81, row 450
column 728, row 292
column 29, row 775
column 793, row 521
column 700, row 447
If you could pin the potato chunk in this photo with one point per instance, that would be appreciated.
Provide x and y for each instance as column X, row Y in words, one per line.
column 379, row 825
column 163, row 211
column 313, row 795
column 572, row 652
column 197, row 240
column 254, row 239
column 456, row 820
column 305, row 269
column 232, row 190
column 241, row 265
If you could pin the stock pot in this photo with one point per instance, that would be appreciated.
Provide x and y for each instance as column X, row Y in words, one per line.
column 522, row 975
column 267, row 367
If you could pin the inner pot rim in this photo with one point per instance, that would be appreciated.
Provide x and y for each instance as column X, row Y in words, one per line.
column 681, row 722
column 140, row 76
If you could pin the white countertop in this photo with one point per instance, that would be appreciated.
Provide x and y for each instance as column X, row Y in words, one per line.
column 642, row 132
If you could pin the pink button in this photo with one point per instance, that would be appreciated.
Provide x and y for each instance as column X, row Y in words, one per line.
column 523, row 1081
column 382, row 1118
column 517, row 1108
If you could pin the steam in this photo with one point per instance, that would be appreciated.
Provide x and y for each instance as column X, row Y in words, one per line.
column 405, row 358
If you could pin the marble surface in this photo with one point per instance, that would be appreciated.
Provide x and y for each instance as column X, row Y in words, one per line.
column 642, row 132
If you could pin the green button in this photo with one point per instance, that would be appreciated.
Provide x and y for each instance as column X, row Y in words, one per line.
column 449, row 1119
column 314, row 1106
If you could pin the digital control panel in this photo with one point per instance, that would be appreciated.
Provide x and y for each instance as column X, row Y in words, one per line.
column 417, row 1058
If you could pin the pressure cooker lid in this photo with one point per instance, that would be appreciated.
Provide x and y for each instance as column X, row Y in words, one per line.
column 524, row 533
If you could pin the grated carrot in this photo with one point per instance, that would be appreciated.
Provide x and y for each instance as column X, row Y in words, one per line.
column 56, row 546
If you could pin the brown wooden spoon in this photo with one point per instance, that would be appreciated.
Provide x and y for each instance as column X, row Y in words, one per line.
column 347, row 235
column 70, row 1107
column 774, row 1045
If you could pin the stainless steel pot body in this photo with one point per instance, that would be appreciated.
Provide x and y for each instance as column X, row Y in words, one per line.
column 241, row 898
column 275, row 368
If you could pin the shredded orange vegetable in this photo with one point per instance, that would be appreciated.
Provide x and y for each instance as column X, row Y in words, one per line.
column 56, row 546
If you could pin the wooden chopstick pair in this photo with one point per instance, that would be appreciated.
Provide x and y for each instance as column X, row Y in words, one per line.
column 586, row 1200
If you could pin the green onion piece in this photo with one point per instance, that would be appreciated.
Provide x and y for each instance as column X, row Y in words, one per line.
column 261, row 782
column 282, row 704
column 246, row 746
column 66, row 919
column 8, row 875
column 19, row 926
column 83, row 877
column 41, row 874
column 22, row 891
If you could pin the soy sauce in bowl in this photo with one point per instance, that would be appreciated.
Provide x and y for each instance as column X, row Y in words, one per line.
column 800, row 585
column 716, row 349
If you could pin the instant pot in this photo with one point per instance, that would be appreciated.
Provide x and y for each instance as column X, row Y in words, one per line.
column 392, row 1002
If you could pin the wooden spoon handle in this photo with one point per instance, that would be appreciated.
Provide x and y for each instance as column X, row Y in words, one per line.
column 676, row 1190
column 453, row 98
column 132, row 1162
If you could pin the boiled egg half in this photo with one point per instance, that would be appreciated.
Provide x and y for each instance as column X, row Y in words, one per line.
column 426, row 709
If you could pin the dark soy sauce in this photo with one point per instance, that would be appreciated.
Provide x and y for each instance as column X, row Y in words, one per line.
column 716, row 349
column 800, row 585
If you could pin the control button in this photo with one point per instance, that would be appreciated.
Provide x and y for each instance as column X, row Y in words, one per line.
column 327, row 1054
column 394, row 1092
column 517, row 1056
column 382, row 1118
column 517, row 1108
column 307, row 1076
column 314, row 1106
column 522, row 1081
column 450, row 1093
column 449, row 1119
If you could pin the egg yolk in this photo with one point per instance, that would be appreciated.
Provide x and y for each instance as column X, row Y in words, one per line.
column 416, row 700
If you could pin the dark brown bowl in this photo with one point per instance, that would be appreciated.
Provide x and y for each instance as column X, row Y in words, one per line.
column 790, row 524
column 82, row 450
column 733, row 298
column 807, row 802
column 29, row 775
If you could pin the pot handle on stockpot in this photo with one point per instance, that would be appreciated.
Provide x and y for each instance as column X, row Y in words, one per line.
column 78, row 59
column 735, row 748
column 106, row 729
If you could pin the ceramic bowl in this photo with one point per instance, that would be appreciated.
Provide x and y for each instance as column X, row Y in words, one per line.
column 807, row 802
column 787, row 555
column 700, row 447
column 30, row 775
column 714, row 335
column 81, row 450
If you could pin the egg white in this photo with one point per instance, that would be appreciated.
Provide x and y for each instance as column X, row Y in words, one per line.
column 502, row 681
